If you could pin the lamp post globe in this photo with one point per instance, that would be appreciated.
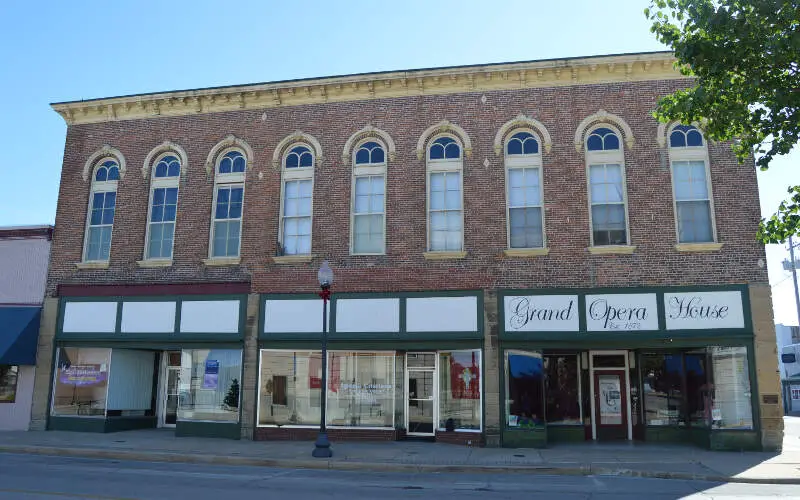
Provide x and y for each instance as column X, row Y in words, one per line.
column 322, row 447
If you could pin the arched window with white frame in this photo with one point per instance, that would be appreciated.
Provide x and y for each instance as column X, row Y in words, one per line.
column 525, row 214
column 164, row 180
column 691, row 185
column 368, row 220
column 297, row 178
column 102, row 207
column 445, row 195
column 607, row 187
column 226, row 224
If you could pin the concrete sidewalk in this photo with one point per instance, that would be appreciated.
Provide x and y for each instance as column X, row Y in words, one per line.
column 625, row 459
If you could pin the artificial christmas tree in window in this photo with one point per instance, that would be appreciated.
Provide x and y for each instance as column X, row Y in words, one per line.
column 232, row 398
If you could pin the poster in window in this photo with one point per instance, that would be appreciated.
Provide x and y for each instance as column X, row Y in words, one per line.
column 83, row 375
column 465, row 378
column 211, row 375
column 610, row 399
column 315, row 372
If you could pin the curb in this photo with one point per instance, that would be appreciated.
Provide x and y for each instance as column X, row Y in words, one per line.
column 573, row 470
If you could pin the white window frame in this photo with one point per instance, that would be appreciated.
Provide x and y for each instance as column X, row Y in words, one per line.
column 691, row 153
column 367, row 170
column 522, row 162
column 297, row 174
column 605, row 158
column 156, row 183
column 440, row 166
column 229, row 180
column 99, row 187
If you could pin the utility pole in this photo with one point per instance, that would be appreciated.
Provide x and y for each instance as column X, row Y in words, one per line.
column 794, row 277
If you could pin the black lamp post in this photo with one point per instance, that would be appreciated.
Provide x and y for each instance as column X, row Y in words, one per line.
column 322, row 447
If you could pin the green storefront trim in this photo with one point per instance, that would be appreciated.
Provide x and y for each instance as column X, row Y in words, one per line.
column 225, row 430
column 100, row 424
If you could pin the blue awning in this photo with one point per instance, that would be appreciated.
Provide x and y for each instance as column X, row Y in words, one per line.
column 19, row 335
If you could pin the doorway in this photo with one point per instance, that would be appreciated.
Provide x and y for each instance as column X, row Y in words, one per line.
column 421, row 393
column 610, row 395
column 170, row 395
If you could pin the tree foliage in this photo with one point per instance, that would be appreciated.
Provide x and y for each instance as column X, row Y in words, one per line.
column 745, row 58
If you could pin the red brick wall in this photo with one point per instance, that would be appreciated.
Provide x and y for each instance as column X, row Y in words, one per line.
column 561, row 109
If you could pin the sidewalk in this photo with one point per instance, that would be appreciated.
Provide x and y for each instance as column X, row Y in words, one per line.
column 625, row 459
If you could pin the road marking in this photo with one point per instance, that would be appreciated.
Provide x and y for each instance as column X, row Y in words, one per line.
column 62, row 494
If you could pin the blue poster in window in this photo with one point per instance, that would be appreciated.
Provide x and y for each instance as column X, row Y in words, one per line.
column 211, row 375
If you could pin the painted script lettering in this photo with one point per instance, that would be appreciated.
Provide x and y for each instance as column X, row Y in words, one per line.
column 523, row 311
column 617, row 318
column 693, row 308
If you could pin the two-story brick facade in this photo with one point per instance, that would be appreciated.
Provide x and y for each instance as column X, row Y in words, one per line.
column 522, row 254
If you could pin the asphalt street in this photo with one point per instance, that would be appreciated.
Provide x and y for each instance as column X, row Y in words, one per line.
column 29, row 477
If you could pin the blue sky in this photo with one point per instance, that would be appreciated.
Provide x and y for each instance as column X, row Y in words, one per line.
column 59, row 51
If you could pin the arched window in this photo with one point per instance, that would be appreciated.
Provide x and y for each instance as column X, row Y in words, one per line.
column 369, row 200
column 166, row 171
column 296, row 200
column 607, row 187
column 525, row 216
column 445, row 195
column 691, row 185
column 226, row 224
column 102, row 206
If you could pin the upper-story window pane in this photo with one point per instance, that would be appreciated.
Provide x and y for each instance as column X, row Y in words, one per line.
column 685, row 136
column 692, row 202
column 522, row 143
column 444, row 148
column 108, row 171
column 162, row 222
column 368, row 208
column 101, row 223
column 168, row 166
column 608, row 205
column 227, row 221
column 525, row 208
column 297, row 217
column 299, row 156
column 232, row 162
column 602, row 139
column 446, row 231
column 370, row 153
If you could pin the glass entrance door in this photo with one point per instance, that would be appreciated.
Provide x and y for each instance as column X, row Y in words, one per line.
column 610, row 388
column 421, row 401
column 172, row 373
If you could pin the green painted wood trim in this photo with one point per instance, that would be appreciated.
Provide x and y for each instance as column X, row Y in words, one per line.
column 528, row 438
column 166, row 345
column 566, row 434
column 225, row 430
column 77, row 424
column 755, row 398
column 735, row 440
column 373, row 345
column 117, row 424
column 403, row 309
column 587, row 343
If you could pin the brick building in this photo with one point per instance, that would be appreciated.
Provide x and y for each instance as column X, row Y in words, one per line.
column 522, row 254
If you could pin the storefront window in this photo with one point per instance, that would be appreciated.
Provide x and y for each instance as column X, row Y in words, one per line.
column 732, row 399
column 209, row 385
column 290, row 388
column 360, row 389
column 524, row 389
column 8, row 383
column 662, row 376
column 460, row 390
column 81, row 381
column 562, row 393
column 698, row 388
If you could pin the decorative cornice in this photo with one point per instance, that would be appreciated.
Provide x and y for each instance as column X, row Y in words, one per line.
column 368, row 131
column 106, row 150
column 163, row 148
column 230, row 141
column 478, row 78
column 600, row 117
column 444, row 127
column 297, row 136
column 522, row 121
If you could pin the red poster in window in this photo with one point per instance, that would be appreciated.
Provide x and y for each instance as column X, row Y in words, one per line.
column 465, row 378
column 315, row 372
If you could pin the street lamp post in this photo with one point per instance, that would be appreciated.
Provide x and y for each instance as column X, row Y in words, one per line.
column 322, row 447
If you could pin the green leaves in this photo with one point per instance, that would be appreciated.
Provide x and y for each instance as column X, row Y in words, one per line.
column 785, row 222
column 745, row 58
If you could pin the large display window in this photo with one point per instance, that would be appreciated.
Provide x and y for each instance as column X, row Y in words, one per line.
column 460, row 390
column 81, row 382
column 524, row 374
column 209, row 385
column 562, row 390
column 732, row 399
column 360, row 389
column 289, row 389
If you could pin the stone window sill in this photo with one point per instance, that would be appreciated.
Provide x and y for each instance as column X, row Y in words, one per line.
column 154, row 263
column 100, row 264
column 698, row 247
column 222, row 261
column 292, row 259
column 444, row 255
column 526, row 252
column 612, row 250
